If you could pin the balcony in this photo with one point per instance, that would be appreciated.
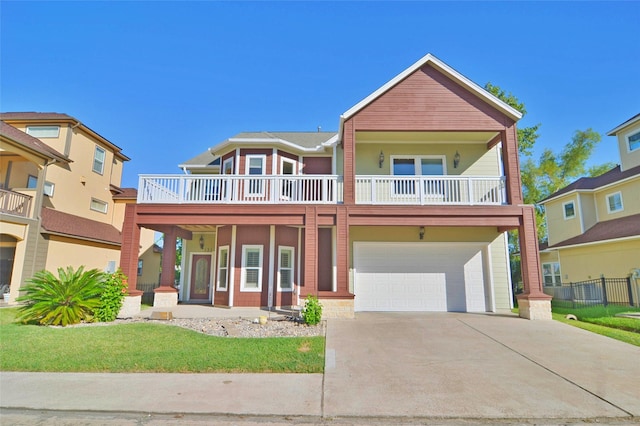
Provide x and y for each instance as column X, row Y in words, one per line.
column 224, row 189
column 321, row 189
column 15, row 203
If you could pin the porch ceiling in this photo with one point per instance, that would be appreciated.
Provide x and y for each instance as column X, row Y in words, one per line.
column 421, row 137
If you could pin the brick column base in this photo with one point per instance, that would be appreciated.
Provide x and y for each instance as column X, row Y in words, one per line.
column 534, row 309
column 337, row 308
column 130, row 306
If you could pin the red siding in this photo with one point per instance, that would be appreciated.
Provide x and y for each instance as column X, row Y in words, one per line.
column 317, row 166
column 285, row 236
column 251, row 235
column 224, row 239
column 325, row 260
column 245, row 152
column 428, row 100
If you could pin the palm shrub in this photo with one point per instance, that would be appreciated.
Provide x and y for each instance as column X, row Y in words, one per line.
column 113, row 292
column 67, row 299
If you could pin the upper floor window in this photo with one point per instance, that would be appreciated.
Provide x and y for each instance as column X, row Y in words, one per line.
column 614, row 202
column 227, row 166
column 569, row 210
column 255, row 165
column 633, row 141
column 32, row 182
column 98, row 160
column 551, row 274
column 43, row 131
column 414, row 166
column 251, row 268
column 98, row 206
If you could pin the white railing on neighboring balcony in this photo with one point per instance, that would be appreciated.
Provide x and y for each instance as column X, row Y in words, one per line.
column 15, row 203
column 207, row 189
column 423, row 190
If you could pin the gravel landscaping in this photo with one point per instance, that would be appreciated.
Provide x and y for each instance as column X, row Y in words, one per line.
column 239, row 327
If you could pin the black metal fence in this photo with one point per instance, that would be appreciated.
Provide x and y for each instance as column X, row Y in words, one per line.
column 147, row 292
column 601, row 291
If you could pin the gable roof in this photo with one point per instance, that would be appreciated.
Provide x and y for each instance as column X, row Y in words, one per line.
column 591, row 183
column 65, row 224
column 624, row 227
column 30, row 143
column 56, row 117
column 303, row 142
column 629, row 122
column 449, row 72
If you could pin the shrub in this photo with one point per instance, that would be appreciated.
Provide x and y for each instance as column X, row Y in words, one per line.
column 67, row 299
column 312, row 311
column 113, row 292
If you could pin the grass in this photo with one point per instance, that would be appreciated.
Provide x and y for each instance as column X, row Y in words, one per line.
column 603, row 315
column 622, row 335
column 145, row 347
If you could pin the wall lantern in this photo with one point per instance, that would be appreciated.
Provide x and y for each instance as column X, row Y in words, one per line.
column 456, row 160
column 422, row 233
column 201, row 242
column 381, row 159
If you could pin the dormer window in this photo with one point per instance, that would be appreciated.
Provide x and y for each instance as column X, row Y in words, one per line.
column 43, row 131
column 569, row 210
column 633, row 141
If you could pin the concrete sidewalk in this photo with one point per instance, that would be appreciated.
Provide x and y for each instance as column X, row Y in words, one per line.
column 394, row 366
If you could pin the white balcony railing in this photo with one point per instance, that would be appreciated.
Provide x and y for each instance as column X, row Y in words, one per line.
column 423, row 190
column 207, row 189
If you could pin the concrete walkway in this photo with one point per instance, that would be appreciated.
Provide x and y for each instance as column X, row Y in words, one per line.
column 394, row 366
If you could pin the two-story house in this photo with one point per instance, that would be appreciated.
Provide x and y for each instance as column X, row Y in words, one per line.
column 61, row 203
column 404, row 208
column 594, row 223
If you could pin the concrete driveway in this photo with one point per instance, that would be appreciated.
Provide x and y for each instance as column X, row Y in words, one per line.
column 476, row 366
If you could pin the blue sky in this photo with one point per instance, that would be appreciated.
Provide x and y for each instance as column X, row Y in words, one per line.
column 166, row 80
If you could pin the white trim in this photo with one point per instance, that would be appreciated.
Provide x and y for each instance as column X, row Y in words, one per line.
column 221, row 249
column 243, row 271
column 248, row 190
column 290, row 161
column 183, row 267
column 224, row 163
column 100, row 202
column 232, row 261
column 28, row 130
column 564, row 210
column 292, row 267
column 271, row 142
column 104, row 160
column 553, row 276
column 299, row 266
column 274, row 164
column 272, row 247
column 334, row 259
column 626, row 137
column 509, row 279
column 582, row 229
column 237, row 162
column 490, row 304
column 621, row 209
column 442, row 67
column 627, row 123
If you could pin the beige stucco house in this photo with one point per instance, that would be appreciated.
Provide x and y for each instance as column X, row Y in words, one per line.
column 594, row 223
column 60, row 199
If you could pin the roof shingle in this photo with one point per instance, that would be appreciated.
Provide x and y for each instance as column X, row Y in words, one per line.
column 57, row 222
column 628, row 226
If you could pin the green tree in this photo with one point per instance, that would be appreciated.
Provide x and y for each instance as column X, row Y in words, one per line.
column 69, row 298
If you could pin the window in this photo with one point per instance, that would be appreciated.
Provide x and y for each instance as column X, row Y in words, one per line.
column 633, row 141
column 43, row 131
column 417, row 166
column 251, row 268
column 99, row 206
column 227, row 166
column 614, row 202
column 223, row 268
column 569, row 210
column 255, row 165
column 98, row 160
column 139, row 267
column 288, row 188
column 551, row 274
column 32, row 182
column 285, row 268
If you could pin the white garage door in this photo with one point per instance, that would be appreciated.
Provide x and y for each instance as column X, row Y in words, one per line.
column 419, row 277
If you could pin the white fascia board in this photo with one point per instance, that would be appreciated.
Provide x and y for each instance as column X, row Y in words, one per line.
column 265, row 141
column 627, row 123
column 592, row 243
column 333, row 141
column 429, row 58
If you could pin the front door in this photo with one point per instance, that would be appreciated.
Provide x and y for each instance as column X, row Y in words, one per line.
column 200, row 277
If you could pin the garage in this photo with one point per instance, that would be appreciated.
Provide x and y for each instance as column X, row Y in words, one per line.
column 411, row 277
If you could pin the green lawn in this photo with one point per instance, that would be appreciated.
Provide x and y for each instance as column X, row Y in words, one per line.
column 145, row 347
column 603, row 315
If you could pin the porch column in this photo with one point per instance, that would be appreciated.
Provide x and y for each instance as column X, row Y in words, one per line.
column 166, row 295
column 310, row 252
column 511, row 164
column 130, row 249
column 533, row 303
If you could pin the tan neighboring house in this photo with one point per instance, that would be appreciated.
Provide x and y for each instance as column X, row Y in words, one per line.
column 594, row 223
column 60, row 198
